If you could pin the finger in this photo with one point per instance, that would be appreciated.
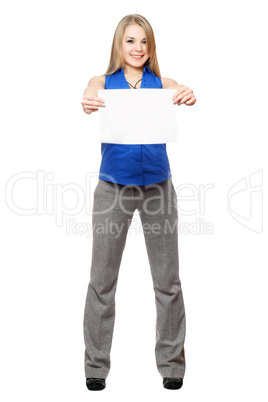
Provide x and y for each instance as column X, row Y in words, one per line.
column 178, row 98
column 181, row 96
column 96, row 98
column 179, row 91
column 191, row 101
column 186, row 92
column 92, row 100
column 92, row 103
column 91, row 108
column 185, row 98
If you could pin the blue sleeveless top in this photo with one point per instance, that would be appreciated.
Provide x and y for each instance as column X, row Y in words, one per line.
column 134, row 164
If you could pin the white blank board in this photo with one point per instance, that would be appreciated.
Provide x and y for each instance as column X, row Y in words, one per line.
column 142, row 116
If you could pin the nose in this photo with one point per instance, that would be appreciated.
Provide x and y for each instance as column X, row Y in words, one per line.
column 139, row 47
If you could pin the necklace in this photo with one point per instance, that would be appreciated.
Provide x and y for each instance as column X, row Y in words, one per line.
column 135, row 84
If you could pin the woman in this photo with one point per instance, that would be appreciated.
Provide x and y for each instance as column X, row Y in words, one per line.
column 141, row 175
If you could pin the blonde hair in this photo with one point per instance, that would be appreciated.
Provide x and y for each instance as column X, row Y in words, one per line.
column 116, row 58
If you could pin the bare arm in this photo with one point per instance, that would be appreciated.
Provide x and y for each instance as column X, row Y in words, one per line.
column 91, row 102
column 183, row 94
column 94, row 85
column 168, row 83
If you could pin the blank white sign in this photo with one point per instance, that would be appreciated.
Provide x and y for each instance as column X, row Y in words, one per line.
column 137, row 116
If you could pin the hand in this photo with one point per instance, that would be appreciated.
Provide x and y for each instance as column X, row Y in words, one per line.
column 184, row 95
column 91, row 103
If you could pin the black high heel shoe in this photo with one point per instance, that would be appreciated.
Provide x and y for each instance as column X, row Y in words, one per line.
column 95, row 384
column 172, row 383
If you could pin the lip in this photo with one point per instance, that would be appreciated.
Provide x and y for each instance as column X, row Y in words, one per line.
column 137, row 55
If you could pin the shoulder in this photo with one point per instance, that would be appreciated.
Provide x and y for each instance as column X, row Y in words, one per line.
column 99, row 79
column 167, row 82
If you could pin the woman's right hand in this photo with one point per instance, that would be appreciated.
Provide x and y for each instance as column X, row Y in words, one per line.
column 91, row 103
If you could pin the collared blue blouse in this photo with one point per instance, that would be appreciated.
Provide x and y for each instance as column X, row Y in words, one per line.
column 134, row 164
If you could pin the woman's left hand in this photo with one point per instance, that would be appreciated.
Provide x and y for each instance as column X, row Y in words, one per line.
column 184, row 95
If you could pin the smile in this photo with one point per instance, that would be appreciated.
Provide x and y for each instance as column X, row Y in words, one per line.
column 136, row 57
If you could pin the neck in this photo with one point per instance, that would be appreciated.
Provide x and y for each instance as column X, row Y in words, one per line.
column 135, row 71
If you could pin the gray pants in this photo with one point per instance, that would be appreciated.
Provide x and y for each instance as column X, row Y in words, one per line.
column 113, row 208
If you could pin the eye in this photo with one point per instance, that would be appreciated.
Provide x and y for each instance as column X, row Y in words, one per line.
column 131, row 40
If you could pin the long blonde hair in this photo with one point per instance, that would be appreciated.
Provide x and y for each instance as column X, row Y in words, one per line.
column 116, row 58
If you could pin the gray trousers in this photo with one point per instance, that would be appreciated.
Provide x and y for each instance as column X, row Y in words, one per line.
column 113, row 207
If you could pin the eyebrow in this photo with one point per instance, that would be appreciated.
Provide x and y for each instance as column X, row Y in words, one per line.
column 133, row 38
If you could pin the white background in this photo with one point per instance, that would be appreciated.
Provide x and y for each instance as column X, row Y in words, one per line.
column 49, row 52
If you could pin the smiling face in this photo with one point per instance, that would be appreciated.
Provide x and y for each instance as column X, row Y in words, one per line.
column 134, row 44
